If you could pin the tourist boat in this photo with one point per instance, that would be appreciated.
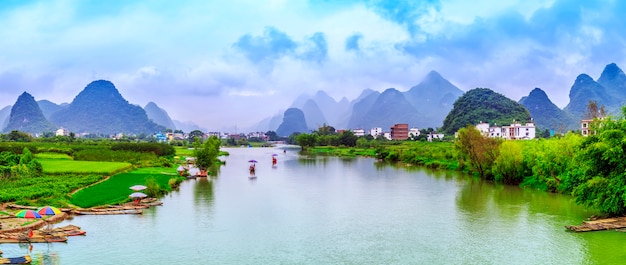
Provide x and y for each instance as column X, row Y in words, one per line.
column 19, row 260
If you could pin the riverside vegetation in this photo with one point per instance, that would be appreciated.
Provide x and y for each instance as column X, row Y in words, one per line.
column 592, row 169
column 75, row 172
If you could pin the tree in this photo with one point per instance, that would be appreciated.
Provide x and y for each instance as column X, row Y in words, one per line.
column 600, row 180
column 272, row 135
column 306, row 140
column 195, row 134
column 594, row 111
column 326, row 130
column 17, row 136
column 206, row 153
column 477, row 151
column 347, row 138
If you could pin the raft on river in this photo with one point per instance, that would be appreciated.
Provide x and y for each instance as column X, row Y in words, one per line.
column 601, row 224
column 19, row 260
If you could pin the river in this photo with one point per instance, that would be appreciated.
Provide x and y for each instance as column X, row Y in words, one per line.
column 329, row 210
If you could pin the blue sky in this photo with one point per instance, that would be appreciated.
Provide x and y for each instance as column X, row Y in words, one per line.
column 226, row 63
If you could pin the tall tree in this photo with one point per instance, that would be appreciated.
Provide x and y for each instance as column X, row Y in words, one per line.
column 478, row 152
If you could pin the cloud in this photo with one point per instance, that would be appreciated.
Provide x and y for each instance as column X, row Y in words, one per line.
column 316, row 48
column 352, row 42
column 273, row 44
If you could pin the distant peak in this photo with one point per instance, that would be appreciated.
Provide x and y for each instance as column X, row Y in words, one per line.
column 583, row 78
column 611, row 71
column 433, row 74
column 537, row 92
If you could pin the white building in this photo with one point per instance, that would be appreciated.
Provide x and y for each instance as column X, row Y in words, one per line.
column 62, row 132
column 434, row 135
column 358, row 132
column 376, row 132
column 515, row 131
column 414, row 132
column 387, row 135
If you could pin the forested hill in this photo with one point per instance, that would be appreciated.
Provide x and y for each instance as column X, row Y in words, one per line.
column 26, row 116
column 483, row 104
column 100, row 108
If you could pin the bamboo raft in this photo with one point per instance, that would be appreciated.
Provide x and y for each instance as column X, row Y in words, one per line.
column 598, row 225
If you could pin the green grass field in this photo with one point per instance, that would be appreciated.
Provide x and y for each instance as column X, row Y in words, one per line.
column 64, row 166
column 116, row 189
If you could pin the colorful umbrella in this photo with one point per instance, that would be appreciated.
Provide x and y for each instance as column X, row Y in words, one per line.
column 138, row 187
column 48, row 210
column 27, row 214
column 138, row 195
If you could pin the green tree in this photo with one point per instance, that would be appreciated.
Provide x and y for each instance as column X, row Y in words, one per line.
column 306, row 140
column 600, row 181
column 206, row 153
column 347, row 138
column 509, row 166
column 478, row 152
column 195, row 134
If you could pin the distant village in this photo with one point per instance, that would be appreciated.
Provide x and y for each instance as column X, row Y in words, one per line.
column 399, row 132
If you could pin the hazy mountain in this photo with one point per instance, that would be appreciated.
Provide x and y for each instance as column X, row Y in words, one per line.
column 26, row 116
column 4, row 116
column 483, row 104
column 585, row 89
column 47, row 107
column 101, row 109
column 329, row 108
column 159, row 115
column 187, row 126
column 361, row 107
column 545, row 114
column 614, row 82
column 433, row 98
column 389, row 108
column 293, row 121
column 313, row 115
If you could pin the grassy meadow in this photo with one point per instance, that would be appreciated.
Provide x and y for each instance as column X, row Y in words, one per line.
column 117, row 188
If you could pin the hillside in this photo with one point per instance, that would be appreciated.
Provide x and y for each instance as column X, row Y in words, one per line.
column 483, row 104
column 545, row 114
column 159, row 115
column 26, row 116
column 101, row 109
column 293, row 121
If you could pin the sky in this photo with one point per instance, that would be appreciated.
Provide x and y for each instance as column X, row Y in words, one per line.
column 229, row 64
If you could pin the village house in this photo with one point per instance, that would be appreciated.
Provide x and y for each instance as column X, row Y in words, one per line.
column 400, row 131
column 375, row 132
column 359, row 132
column 433, row 135
column 414, row 132
column 515, row 131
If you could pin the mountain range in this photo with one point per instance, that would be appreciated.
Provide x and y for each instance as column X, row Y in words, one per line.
column 101, row 109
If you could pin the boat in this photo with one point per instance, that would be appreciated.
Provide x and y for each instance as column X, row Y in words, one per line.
column 18, row 260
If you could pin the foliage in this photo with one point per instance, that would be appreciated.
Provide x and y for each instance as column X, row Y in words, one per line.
column 478, row 152
column 601, row 181
column 159, row 149
column 42, row 190
column 509, row 167
column 306, row 140
column 206, row 153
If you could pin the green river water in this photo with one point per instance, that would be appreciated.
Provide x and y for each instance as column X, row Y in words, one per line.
column 328, row 210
